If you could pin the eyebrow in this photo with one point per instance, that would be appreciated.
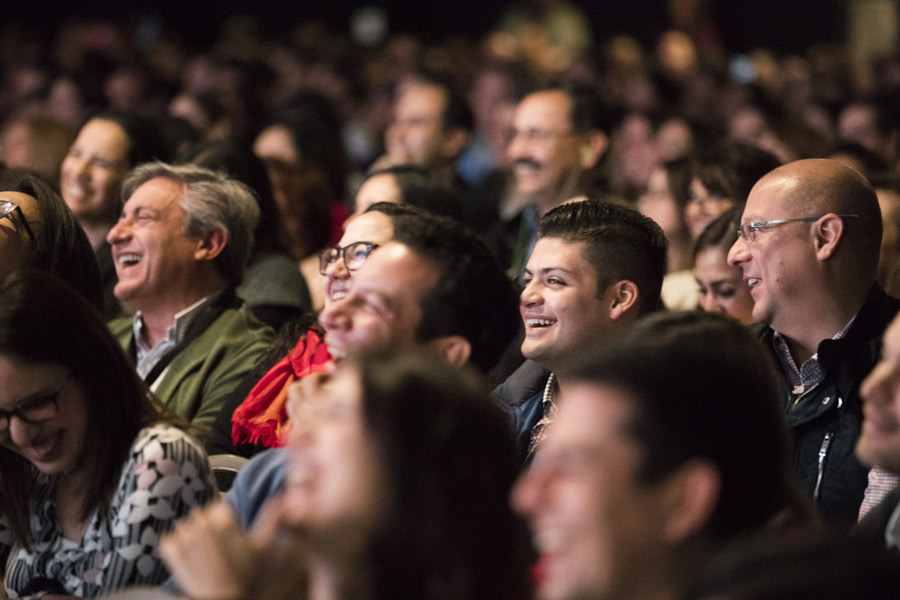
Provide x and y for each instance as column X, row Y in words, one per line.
column 545, row 270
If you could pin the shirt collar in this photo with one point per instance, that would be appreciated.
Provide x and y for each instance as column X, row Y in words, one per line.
column 178, row 329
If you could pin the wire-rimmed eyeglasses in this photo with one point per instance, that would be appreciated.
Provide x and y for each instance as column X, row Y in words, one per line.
column 748, row 231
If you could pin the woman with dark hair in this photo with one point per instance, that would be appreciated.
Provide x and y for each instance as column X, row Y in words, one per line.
column 108, row 146
column 272, row 285
column 92, row 472
column 398, row 475
column 722, row 287
column 723, row 176
column 410, row 184
column 46, row 234
column 253, row 416
column 307, row 166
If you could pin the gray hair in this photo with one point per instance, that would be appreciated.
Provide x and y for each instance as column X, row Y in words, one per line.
column 210, row 201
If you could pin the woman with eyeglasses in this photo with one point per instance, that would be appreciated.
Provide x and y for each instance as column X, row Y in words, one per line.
column 253, row 417
column 38, row 230
column 91, row 471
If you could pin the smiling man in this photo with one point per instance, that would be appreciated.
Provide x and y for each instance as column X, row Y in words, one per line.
column 809, row 245
column 647, row 470
column 595, row 269
column 558, row 137
column 180, row 247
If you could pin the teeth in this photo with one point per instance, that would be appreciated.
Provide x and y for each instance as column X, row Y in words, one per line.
column 129, row 259
column 338, row 295
column 77, row 190
column 539, row 322
column 752, row 281
column 549, row 541
column 45, row 447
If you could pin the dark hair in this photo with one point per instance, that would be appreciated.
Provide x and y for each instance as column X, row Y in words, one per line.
column 678, row 180
column 239, row 162
column 457, row 113
column 144, row 144
column 449, row 532
column 315, row 129
column 721, row 233
column 423, row 188
column 702, row 387
column 871, row 161
column 210, row 200
column 821, row 567
column 622, row 244
column 730, row 169
column 472, row 298
column 43, row 321
column 60, row 246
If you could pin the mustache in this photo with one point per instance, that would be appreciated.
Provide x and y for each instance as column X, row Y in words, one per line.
column 526, row 162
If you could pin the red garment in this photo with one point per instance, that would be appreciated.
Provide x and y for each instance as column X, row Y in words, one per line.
column 262, row 416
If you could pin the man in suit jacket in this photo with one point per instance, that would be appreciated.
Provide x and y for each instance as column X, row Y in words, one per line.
column 180, row 247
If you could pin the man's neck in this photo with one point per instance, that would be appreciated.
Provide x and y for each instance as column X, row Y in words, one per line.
column 158, row 318
column 805, row 332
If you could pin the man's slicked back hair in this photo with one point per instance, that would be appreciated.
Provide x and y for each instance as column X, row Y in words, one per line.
column 621, row 244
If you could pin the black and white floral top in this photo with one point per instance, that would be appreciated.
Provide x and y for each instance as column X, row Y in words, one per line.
column 166, row 475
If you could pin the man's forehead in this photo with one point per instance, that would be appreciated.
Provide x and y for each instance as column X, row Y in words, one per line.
column 397, row 268
column 159, row 192
column 557, row 253
column 765, row 196
column 550, row 107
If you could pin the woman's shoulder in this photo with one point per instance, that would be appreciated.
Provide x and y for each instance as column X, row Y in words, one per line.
column 165, row 441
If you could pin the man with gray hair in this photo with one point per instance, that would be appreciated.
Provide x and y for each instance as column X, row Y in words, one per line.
column 180, row 247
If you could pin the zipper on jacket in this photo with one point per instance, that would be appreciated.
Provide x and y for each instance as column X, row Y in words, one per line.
column 823, row 452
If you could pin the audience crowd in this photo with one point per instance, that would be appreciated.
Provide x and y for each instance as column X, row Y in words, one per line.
column 299, row 259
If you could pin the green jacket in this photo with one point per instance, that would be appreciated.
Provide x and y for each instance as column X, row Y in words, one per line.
column 197, row 380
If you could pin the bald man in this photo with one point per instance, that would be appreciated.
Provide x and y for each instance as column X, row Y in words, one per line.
column 809, row 244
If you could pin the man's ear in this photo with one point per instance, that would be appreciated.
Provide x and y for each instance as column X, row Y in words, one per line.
column 624, row 296
column 211, row 244
column 691, row 495
column 455, row 349
column 593, row 149
column 828, row 232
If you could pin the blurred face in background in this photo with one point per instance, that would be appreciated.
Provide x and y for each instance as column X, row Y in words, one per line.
column 722, row 287
column 92, row 172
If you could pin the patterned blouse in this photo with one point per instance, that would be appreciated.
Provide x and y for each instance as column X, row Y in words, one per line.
column 165, row 476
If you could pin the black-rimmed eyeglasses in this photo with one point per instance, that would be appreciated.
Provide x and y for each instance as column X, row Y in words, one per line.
column 748, row 231
column 7, row 208
column 354, row 256
column 32, row 411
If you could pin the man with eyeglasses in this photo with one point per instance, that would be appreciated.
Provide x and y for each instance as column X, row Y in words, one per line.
column 809, row 242
column 557, row 139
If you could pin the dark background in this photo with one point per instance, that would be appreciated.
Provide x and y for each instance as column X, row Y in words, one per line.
column 784, row 26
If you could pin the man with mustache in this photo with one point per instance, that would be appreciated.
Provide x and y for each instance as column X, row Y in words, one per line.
column 557, row 140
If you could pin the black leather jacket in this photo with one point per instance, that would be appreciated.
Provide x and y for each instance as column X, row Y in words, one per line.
column 521, row 396
column 825, row 420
